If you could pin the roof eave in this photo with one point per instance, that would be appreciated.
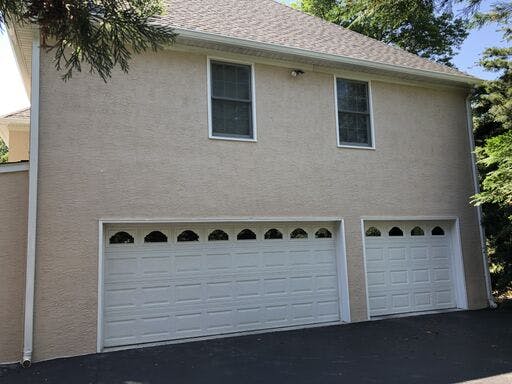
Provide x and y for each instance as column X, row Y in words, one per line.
column 246, row 43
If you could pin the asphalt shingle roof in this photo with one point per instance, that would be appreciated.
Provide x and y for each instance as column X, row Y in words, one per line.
column 270, row 22
column 23, row 114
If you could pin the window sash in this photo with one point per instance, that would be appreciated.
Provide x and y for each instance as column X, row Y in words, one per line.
column 245, row 124
column 351, row 131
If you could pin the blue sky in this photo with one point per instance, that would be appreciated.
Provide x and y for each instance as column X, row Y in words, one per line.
column 13, row 97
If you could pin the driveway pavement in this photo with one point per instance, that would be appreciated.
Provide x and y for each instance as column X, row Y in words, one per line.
column 454, row 347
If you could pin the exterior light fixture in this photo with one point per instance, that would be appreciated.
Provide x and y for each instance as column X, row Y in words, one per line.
column 296, row 72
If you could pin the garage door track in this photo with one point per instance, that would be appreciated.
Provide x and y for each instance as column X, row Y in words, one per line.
column 454, row 347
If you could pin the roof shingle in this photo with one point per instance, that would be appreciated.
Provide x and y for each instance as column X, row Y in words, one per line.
column 270, row 22
column 23, row 114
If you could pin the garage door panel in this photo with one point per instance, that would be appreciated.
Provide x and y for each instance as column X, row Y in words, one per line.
column 419, row 253
column 181, row 292
column 408, row 273
column 156, row 292
column 187, row 322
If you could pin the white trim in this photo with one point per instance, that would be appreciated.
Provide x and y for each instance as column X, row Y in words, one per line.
column 216, row 219
column 343, row 287
column 365, row 271
column 209, row 59
column 101, row 247
column 476, row 188
column 216, row 38
column 32, row 205
column 458, row 267
column 457, row 257
column 370, row 106
column 20, row 58
column 410, row 218
column 14, row 167
column 356, row 147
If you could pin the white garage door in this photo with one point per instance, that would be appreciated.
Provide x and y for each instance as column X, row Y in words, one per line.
column 409, row 267
column 169, row 282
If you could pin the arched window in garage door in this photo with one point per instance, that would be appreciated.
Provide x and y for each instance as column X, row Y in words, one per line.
column 395, row 231
column 188, row 235
column 246, row 234
column 121, row 238
column 373, row 232
column 155, row 237
column 438, row 231
column 298, row 233
column 323, row 233
column 218, row 235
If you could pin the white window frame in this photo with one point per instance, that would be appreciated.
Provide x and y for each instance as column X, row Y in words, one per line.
column 209, row 59
column 370, row 105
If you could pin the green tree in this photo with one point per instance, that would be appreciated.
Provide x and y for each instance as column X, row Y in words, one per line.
column 4, row 152
column 492, row 107
column 421, row 27
column 101, row 34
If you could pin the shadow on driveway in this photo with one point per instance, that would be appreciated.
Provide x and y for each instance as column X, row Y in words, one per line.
column 445, row 348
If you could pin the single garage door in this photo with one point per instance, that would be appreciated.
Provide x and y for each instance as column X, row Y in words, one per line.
column 409, row 267
column 168, row 282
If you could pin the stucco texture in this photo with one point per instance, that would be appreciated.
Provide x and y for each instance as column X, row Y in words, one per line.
column 138, row 147
column 13, row 245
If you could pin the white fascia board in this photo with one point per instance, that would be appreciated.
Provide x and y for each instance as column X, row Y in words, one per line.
column 14, row 167
column 20, row 59
column 246, row 43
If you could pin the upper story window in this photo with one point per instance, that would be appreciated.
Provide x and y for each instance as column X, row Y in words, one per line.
column 354, row 120
column 231, row 101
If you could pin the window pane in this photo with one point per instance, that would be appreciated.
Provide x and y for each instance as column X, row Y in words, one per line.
column 352, row 96
column 354, row 128
column 231, row 81
column 231, row 118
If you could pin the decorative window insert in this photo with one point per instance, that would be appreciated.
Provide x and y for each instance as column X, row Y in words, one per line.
column 298, row 233
column 231, row 98
column 218, row 235
column 246, row 234
column 188, row 235
column 354, row 119
column 395, row 231
column 121, row 238
column 417, row 231
column 373, row 232
column 273, row 234
column 323, row 233
column 437, row 231
column 155, row 237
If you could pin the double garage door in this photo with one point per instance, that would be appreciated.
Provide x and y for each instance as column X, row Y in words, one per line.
column 175, row 281
column 410, row 267
column 168, row 282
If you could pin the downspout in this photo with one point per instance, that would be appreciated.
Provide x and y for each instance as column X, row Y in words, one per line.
column 32, row 204
column 476, row 186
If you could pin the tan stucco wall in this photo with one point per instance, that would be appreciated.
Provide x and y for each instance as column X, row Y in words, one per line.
column 18, row 145
column 13, row 245
column 138, row 147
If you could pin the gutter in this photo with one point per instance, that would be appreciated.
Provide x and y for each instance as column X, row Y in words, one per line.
column 476, row 186
column 32, row 205
column 247, row 43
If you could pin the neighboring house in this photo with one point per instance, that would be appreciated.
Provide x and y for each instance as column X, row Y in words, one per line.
column 269, row 171
column 14, row 131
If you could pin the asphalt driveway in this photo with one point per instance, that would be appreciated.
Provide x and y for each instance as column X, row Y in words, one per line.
column 445, row 348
